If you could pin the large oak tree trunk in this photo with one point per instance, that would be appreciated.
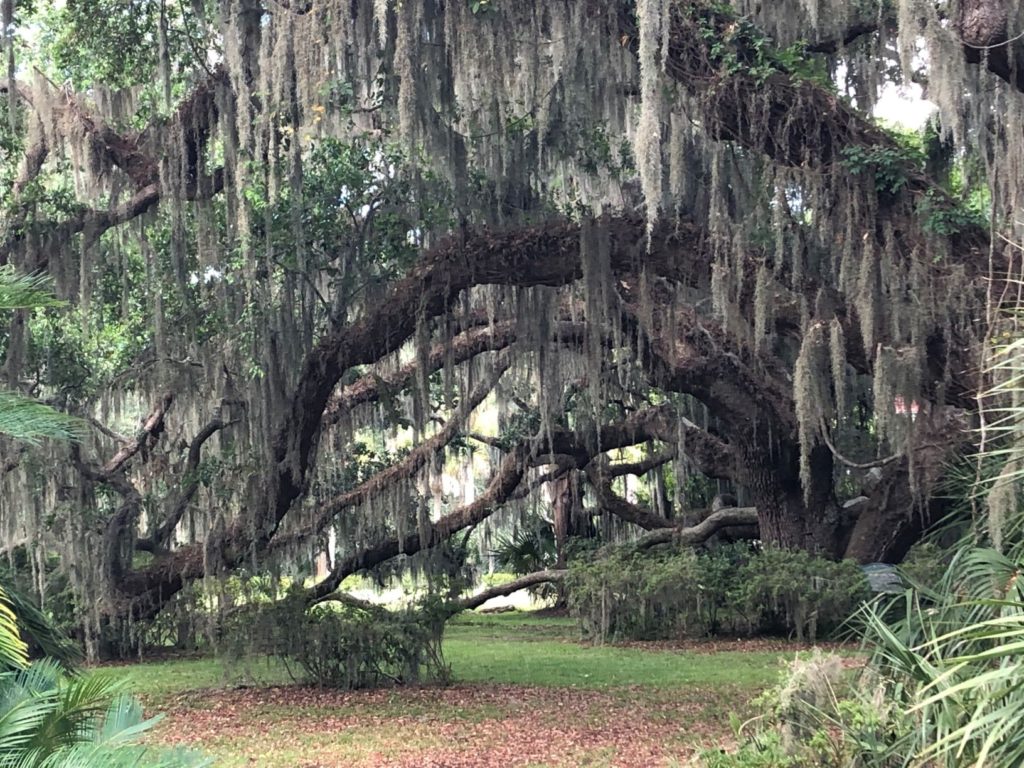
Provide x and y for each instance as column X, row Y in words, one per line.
column 570, row 519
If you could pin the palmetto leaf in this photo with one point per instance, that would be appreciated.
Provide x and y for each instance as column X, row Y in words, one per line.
column 13, row 651
column 35, row 625
column 30, row 421
column 19, row 291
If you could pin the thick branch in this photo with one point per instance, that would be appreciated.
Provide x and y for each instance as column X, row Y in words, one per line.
column 641, row 467
column 502, row 590
column 509, row 474
column 407, row 467
column 849, row 35
column 690, row 354
column 194, row 120
column 150, row 432
column 502, row 488
column 984, row 29
column 165, row 531
column 733, row 517
column 119, row 525
column 610, row 501
column 538, row 482
column 544, row 255
column 792, row 120
column 465, row 346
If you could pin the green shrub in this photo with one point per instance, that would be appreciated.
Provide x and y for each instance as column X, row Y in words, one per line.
column 348, row 645
column 794, row 591
column 626, row 594
column 762, row 751
column 814, row 718
column 925, row 565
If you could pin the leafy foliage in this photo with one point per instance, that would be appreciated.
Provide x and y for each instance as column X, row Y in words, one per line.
column 13, row 650
column 737, row 45
column 48, row 720
column 19, row 291
column 30, row 421
column 347, row 644
column 43, row 637
column 529, row 548
column 22, row 417
column 623, row 593
column 889, row 166
column 792, row 590
column 952, row 662
column 815, row 717
column 944, row 217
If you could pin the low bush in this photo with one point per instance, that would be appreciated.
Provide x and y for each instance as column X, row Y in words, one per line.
column 348, row 645
column 623, row 593
column 817, row 716
column 792, row 591
column 630, row 595
column 925, row 565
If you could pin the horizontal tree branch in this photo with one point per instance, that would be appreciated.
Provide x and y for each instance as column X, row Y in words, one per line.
column 639, row 468
column 464, row 346
column 504, row 482
column 731, row 517
column 503, row 590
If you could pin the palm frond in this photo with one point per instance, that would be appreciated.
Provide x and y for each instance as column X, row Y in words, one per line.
column 35, row 625
column 13, row 650
column 26, row 291
column 30, row 421
column 131, row 756
column 19, row 291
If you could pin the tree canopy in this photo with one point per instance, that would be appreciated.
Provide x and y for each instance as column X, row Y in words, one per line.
column 353, row 277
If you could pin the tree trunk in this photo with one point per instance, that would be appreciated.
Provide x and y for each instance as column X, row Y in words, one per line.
column 570, row 519
column 787, row 516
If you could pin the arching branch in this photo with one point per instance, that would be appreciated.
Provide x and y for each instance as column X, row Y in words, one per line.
column 608, row 500
column 823, row 431
column 463, row 347
column 504, row 482
column 503, row 590
column 407, row 467
column 150, row 431
column 639, row 468
column 732, row 517
column 191, row 481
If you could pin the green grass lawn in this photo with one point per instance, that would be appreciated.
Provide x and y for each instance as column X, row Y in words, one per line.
column 526, row 692
column 518, row 649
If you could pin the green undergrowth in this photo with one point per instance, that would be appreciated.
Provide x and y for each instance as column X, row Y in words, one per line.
column 515, row 648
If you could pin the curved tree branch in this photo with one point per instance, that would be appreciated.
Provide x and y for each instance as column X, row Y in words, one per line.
column 732, row 517
column 407, row 467
column 165, row 531
column 150, row 431
column 502, row 590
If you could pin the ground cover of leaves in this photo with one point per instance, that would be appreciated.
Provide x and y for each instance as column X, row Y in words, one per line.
column 459, row 726
column 527, row 694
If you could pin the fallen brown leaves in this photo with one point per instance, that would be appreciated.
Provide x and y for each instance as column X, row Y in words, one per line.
column 461, row 726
